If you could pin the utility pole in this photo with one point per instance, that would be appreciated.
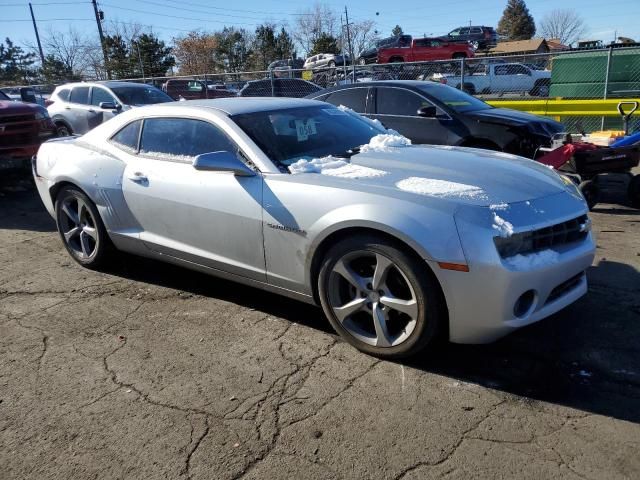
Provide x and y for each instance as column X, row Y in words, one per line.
column 353, row 65
column 101, row 33
column 35, row 28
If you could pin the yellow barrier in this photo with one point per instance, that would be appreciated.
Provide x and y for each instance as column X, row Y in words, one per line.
column 558, row 107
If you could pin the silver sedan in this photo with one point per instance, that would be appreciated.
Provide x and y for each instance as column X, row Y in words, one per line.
column 399, row 244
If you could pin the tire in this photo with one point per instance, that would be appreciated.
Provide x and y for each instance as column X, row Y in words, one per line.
column 81, row 229
column 362, row 61
column 540, row 89
column 633, row 191
column 63, row 130
column 591, row 192
column 467, row 87
column 396, row 60
column 457, row 56
column 331, row 64
column 352, row 262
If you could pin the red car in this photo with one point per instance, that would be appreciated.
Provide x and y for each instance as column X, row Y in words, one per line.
column 426, row 49
column 23, row 127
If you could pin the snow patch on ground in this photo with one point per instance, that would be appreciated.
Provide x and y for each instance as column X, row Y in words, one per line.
column 532, row 261
column 439, row 188
column 335, row 167
column 384, row 142
column 504, row 228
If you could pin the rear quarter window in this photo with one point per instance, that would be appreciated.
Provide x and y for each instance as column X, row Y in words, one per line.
column 127, row 137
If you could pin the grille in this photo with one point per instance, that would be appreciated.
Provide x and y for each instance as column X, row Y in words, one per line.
column 557, row 235
column 17, row 139
column 565, row 287
column 16, row 118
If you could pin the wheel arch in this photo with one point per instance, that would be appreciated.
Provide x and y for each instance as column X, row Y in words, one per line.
column 417, row 253
column 480, row 142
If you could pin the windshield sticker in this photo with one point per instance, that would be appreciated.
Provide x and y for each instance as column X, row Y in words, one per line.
column 305, row 128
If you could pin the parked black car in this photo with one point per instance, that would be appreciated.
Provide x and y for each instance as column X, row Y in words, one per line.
column 278, row 87
column 433, row 113
column 480, row 37
column 370, row 55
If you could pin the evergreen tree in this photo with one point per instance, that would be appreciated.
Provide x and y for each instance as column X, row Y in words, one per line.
column 516, row 22
column 397, row 31
column 325, row 43
column 55, row 71
column 15, row 64
column 118, row 57
column 285, row 48
column 264, row 46
column 154, row 55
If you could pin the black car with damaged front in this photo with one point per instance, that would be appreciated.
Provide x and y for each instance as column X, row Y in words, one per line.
column 433, row 113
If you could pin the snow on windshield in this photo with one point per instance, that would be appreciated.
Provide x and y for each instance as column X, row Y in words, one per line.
column 439, row 188
column 335, row 167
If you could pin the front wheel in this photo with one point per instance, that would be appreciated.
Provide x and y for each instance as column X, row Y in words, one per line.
column 62, row 130
column 378, row 298
column 81, row 228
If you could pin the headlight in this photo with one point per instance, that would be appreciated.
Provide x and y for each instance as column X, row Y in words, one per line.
column 518, row 243
column 571, row 184
column 42, row 114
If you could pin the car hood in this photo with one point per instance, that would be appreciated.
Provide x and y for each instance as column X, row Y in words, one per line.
column 449, row 174
column 505, row 116
column 12, row 108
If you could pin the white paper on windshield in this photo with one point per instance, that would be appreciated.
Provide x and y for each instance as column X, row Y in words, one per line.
column 305, row 128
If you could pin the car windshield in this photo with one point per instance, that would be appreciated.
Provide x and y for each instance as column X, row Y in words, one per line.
column 288, row 135
column 453, row 98
column 141, row 95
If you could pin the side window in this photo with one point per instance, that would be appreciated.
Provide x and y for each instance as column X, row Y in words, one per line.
column 464, row 31
column 397, row 101
column 79, row 95
column 127, row 137
column 519, row 70
column 99, row 95
column 182, row 138
column 501, row 70
column 64, row 94
column 476, row 30
column 455, row 33
column 195, row 87
column 354, row 98
column 421, row 42
column 435, row 43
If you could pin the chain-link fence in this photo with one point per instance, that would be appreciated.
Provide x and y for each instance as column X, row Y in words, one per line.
column 588, row 74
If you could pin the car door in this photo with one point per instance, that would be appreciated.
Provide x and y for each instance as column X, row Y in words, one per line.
column 499, row 81
column 521, row 80
column 397, row 108
column 76, row 111
column 100, row 115
column 204, row 217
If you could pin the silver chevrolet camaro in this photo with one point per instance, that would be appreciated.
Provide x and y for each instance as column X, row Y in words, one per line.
column 399, row 244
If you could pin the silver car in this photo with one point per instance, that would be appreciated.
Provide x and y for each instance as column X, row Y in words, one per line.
column 397, row 243
column 76, row 108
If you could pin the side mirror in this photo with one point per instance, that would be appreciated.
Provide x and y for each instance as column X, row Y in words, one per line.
column 427, row 112
column 222, row 161
column 109, row 106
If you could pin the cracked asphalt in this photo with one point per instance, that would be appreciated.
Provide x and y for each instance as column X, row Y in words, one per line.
column 153, row 372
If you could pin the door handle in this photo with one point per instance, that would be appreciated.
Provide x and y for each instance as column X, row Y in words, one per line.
column 138, row 178
column 92, row 110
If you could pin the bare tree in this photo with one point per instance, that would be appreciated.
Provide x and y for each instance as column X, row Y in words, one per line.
column 363, row 35
column 564, row 24
column 310, row 24
column 73, row 50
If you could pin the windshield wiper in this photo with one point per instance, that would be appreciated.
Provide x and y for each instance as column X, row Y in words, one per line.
column 348, row 153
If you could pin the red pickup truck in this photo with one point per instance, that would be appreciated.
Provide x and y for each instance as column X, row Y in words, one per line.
column 23, row 127
column 426, row 49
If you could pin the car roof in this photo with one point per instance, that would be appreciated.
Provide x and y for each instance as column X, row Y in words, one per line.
column 241, row 105
column 108, row 84
column 379, row 83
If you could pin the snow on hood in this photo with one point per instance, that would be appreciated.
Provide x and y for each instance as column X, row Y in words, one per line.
column 335, row 167
column 384, row 142
column 439, row 188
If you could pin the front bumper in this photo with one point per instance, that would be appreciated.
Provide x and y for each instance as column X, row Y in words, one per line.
column 482, row 302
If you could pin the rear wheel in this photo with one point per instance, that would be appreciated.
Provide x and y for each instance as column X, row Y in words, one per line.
column 633, row 191
column 540, row 89
column 62, row 129
column 81, row 229
column 590, row 192
column 379, row 299
column 459, row 55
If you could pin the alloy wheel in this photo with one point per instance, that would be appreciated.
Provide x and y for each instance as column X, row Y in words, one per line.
column 372, row 299
column 78, row 227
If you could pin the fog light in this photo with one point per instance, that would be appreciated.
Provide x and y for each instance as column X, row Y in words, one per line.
column 524, row 303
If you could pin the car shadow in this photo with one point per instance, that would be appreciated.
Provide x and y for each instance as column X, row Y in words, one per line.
column 20, row 205
column 585, row 357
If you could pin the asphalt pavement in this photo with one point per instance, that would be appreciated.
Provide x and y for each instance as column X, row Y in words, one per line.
column 148, row 371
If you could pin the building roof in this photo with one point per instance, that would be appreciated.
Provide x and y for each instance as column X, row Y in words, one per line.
column 520, row 46
column 556, row 44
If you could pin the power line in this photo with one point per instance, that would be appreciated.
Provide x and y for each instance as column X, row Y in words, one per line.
column 196, row 11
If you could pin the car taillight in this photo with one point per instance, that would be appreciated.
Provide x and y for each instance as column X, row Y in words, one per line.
column 48, row 102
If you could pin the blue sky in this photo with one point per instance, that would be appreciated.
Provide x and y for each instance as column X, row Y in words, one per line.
column 417, row 17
